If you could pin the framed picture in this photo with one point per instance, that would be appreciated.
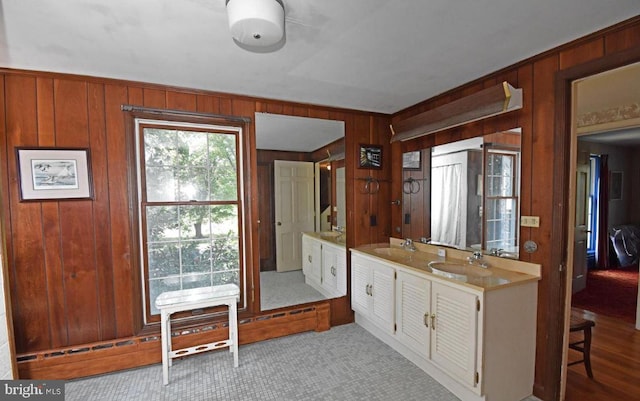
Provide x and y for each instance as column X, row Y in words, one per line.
column 412, row 160
column 616, row 186
column 54, row 174
column 370, row 156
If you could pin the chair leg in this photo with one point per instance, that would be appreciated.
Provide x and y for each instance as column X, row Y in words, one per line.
column 587, row 352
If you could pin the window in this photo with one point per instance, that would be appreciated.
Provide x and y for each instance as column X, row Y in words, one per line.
column 190, row 203
column 501, row 201
column 592, row 210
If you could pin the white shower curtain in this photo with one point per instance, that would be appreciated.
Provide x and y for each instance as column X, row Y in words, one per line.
column 446, row 195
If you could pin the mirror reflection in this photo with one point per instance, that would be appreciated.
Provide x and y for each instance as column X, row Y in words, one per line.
column 301, row 187
column 465, row 194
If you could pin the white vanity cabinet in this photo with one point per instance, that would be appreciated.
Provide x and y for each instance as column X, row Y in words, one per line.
column 334, row 269
column 478, row 343
column 373, row 291
column 439, row 323
column 324, row 266
column 311, row 257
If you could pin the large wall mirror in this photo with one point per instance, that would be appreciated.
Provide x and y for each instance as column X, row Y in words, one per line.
column 301, row 187
column 465, row 194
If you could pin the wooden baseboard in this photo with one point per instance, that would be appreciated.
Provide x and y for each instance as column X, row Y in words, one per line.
column 126, row 353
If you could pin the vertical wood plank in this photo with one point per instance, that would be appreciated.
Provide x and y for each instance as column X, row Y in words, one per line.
column 208, row 104
column 51, row 223
column 76, row 220
column 542, row 203
column 154, row 98
column 28, row 280
column 525, row 121
column 582, row 53
column 123, row 285
column 181, row 101
column 623, row 39
column 135, row 96
column 102, row 233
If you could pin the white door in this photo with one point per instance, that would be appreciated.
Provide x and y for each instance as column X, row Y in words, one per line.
column 580, row 233
column 293, row 196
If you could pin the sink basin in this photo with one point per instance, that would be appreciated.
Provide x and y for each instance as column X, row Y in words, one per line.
column 393, row 252
column 459, row 269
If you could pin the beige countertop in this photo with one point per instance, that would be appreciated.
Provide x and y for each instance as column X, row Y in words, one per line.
column 331, row 237
column 509, row 272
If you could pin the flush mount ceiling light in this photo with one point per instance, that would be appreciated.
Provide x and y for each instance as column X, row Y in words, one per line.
column 256, row 23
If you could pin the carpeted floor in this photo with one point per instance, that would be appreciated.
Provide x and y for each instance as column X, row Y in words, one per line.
column 611, row 292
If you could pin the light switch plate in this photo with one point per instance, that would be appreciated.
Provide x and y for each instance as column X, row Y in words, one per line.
column 530, row 221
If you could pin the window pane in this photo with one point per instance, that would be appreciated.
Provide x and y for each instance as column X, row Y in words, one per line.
column 164, row 259
column 159, row 147
column 161, row 184
column 501, row 223
column 222, row 156
column 162, row 223
column 157, row 287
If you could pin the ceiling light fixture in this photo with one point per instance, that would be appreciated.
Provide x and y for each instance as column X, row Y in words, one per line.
column 256, row 23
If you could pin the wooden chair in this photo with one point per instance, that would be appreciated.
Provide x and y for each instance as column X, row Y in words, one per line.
column 580, row 323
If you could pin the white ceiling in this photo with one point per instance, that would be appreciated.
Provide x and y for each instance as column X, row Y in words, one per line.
column 372, row 55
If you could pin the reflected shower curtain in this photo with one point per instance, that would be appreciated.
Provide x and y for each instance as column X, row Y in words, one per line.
column 446, row 195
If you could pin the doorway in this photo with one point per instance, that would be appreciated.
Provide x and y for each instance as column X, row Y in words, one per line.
column 603, row 184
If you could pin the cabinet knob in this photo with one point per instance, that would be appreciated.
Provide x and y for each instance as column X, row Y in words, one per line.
column 433, row 321
column 425, row 319
column 309, row 258
column 279, row 223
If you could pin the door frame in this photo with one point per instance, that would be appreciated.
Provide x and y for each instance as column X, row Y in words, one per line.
column 561, row 231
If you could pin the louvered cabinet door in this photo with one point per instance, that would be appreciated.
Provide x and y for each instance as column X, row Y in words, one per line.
column 454, row 333
column 413, row 295
column 360, row 273
column 382, row 293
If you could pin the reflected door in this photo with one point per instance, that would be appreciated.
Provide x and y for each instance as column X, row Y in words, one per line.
column 294, row 214
column 580, row 234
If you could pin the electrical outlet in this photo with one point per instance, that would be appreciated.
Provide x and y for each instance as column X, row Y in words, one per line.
column 442, row 253
column 530, row 221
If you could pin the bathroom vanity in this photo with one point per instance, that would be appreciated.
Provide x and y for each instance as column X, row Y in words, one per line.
column 324, row 262
column 473, row 329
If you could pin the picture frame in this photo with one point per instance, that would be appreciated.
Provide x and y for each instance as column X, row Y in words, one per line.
column 412, row 160
column 615, row 188
column 54, row 173
column 370, row 157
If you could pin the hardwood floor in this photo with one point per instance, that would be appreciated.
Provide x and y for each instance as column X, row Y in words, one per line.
column 615, row 360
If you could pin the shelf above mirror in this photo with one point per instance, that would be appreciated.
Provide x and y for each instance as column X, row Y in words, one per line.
column 489, row 102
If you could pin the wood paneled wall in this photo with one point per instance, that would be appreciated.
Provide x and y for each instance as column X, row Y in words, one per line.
column 544, row 169
column 70, row 262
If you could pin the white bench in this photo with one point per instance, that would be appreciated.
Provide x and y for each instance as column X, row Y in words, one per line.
column 196, row 298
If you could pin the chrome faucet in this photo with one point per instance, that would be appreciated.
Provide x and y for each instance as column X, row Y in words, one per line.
column 407, row 244
column 477, row 260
